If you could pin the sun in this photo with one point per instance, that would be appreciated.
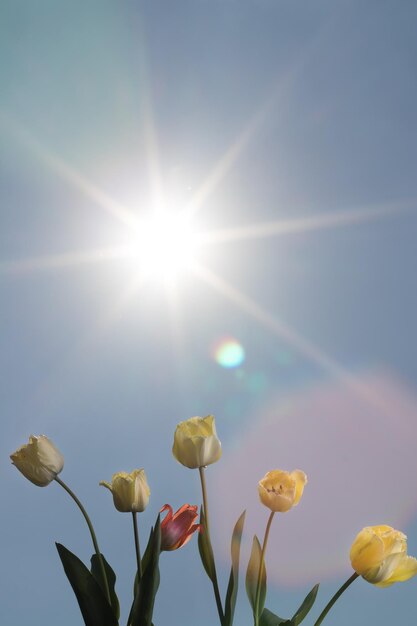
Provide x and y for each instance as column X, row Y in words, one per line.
column 163, row 247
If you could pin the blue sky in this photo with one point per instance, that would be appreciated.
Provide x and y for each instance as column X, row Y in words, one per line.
column 287, row 132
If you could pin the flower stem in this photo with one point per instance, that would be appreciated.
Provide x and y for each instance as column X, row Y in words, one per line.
column 261, row 565
column 206, row 517
column 137, row 546
column 204, row 492
column 335, row 597
column 93, row 535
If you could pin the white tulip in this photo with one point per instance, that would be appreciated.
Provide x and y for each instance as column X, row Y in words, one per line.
column 39, row 460
column 196, row 443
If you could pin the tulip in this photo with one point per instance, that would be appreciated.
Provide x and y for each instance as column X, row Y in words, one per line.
column 177, row 528
column 379, row 555
column 280, row 490
column 130, row 491
column 196, row 443
column 39, row 460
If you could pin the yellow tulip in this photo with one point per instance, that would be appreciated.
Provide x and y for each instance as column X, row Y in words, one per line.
column 196, row 443
column 130, row 491
column 39, row 460
column 280, row 490
column 379, row 555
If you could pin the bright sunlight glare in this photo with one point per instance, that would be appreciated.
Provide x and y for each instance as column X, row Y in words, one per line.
column 164, row 247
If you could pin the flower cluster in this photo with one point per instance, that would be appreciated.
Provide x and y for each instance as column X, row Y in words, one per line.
column 378, row 553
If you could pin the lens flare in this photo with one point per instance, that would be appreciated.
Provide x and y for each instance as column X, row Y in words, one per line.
column 358, row 453
column 228, row 353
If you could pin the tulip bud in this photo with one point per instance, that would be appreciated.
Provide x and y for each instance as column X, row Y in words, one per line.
column 177, row 529
column 196, row 443
column 130, row 491
column 280, row 490
column 39, row 460
column 379, row 555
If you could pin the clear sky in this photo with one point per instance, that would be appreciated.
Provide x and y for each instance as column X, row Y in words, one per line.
column 284, row 134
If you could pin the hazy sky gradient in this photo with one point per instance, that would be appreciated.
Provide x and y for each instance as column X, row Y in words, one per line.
column 288, row 130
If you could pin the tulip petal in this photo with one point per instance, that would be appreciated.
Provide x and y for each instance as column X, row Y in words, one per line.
column 168, row 516
column 394, row 540
column 211, row 450
column 185, row 539
column 385, row 570
column 406, row 569
column 367, row 551
column 48, row 455
column 188, row 450
column 191, row 509
column 108, row 486
column 199, row 426
column 300, row 482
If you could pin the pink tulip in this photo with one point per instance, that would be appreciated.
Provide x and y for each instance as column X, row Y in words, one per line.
column 177, row 528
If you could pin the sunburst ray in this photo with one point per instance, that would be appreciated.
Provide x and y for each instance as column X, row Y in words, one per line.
column 65, row 171
column 282, row 330
column 322, row 221
column 279, row 98
column 67, row 260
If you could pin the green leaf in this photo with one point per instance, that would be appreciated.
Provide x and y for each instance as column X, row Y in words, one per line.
column 95, row 609
column 111, row 579
column 147, row 555
column 135, row 585
column 270, row 619
column 305, row 607
column 252, row 575
column 205, row 549
column 232, row 587
column 142, row 609
column 144, row 563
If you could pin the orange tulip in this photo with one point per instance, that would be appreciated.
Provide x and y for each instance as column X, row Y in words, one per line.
column 177, row 528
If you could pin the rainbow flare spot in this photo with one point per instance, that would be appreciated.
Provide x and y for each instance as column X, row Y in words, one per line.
column 229, row 353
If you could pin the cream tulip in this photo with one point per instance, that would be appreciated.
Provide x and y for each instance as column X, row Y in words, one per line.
column 196, row 443
column 130, row 491
column 280, row 490
column 39, row 460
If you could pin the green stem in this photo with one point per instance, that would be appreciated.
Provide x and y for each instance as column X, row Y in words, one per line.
column 335, row 597
column 204, row 492
column 137, row 546
column 261, row 565
column 206, row 517
column 93, row 535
